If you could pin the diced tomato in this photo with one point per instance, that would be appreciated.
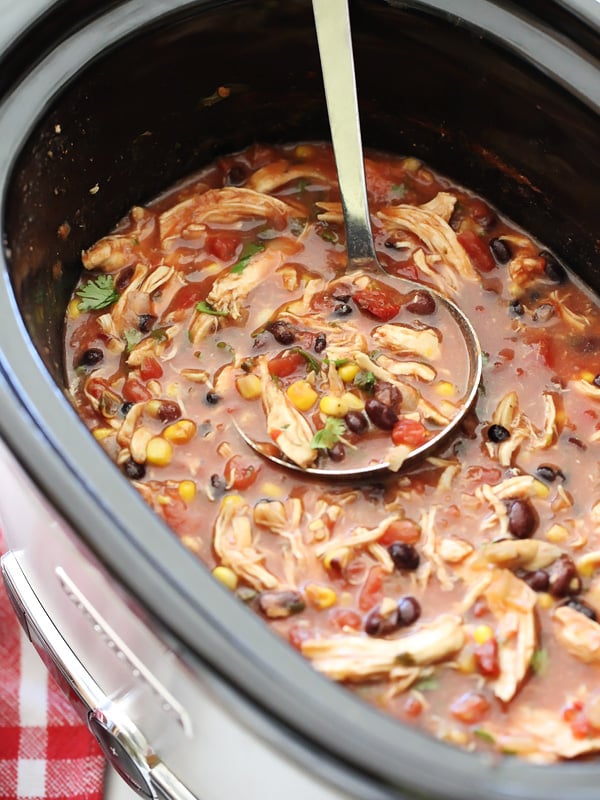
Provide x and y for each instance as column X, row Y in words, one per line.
column 175, row 511
column 413, row 707
column 150, row 369
column 282, row 366
column 581, row 727
column 486, row 658
column 372, row 590
column 470, row 708
column 134, row 391
column 376, row 302
column 401, row 530
column 481, row 212
column 223, row 247
column 571, row 710
column 477, row 250
column 477, row 475
column 188, row 296
column 410, row 432
column 240, row 473
column 298, row 634
column 345, row 618
column 95, row 386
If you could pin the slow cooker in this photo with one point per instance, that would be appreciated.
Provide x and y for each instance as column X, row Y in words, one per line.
column 104, row 104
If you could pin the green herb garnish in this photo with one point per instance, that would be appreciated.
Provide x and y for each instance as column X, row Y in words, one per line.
column 483, row 734
column 159, row 334
column 312, row 364
column 206, row 308
column 98, row 293
column 250, row 249
column 329, row 235
column 399, row 189
column 132, row 337
column 426, row 684
column 539, row 661
column 365, row 380
column 329, row 435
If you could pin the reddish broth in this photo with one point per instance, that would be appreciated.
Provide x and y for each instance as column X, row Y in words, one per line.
column 460, row 595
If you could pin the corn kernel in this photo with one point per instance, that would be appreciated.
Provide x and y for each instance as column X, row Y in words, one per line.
column 226, row 576
column 541, row 490
column 73, row 310
column 232, row 502
column 482, row 634
column 320, row 596
column 159, row 452
column 101, row 433
column 333, row 406
column 353, row 401
column 338, row 558
column 180, row 432
column 163, row 500
column 274, row 490
column 588, row 376
column 445, row 389
column 304, row 151
column 152, row 408
column 545, row 600
column 411, row 164
column 301, row 395
column 249, row 386
column 465, row 662
column 557, row 534
column 348, row 372
column 187, row 490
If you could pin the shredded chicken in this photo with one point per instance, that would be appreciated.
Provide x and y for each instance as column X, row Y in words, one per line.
column 513, row 604
column 233, row 542
column 435, row 561
column 530, row 554
column 359, row 657
column 286, row 425
column 361, row 537
column 433, row 231
column 404, row 339
column 278, row 173
column 539, row 735
column 577, row 633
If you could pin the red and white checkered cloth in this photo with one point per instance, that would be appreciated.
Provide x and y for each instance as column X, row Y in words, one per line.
column 45, row 750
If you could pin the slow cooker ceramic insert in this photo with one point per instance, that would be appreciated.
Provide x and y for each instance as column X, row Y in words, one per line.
column 189, row 694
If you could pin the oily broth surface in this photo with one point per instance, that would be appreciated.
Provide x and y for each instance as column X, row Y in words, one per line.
column 540, row 333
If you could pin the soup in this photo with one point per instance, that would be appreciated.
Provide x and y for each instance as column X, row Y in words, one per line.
column 459, row 593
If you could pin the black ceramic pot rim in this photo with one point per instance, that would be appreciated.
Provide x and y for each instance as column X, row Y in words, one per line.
column 65, row 462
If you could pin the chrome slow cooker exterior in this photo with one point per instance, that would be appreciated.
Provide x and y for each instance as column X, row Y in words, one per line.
column 104, row 105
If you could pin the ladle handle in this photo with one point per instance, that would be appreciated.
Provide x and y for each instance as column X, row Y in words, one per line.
column 332, row 22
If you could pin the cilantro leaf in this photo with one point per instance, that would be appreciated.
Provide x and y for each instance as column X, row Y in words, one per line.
column 485, row 735
column 312, row 364
column 97, row 294
column 539, row 661
column 132, row 337
column 328, row 436
column 427, row 684
column 365, row 380
column 250, row 249
column 399, row 190
column 206, row 308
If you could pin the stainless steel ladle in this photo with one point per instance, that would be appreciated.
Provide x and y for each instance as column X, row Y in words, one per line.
column 332, row 23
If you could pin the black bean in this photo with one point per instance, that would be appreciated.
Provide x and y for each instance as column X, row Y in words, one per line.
column 388, row 394
column 404, row 555
column 342, row 310
column 91, row 357
column 278, row 604
column 236, row 175
column 145, row 322
column 124, row 279
column 498, row 433
column 596, row 381
column 218, row 483
column 549, row 473
column 583, row 608
column 126, row 408
column 564, row 579
column 537, row 579
column 577, row 442
column 382, row 416
column 320, row 343
column 356, row 422
column 337, row 452
column 421, row 303
column 516, row 308
column 341, row 297
column 133, row 470
column 522, row 519
column 409, row 611
column 376, row 624
column 500, row 250
column 212, row 398
column 281, row 332
column 555, row 271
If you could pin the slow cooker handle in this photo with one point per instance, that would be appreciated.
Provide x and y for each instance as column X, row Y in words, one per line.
column 123, row 744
